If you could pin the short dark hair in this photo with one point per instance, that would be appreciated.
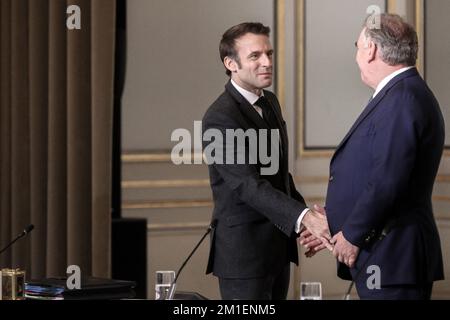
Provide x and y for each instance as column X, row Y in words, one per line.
column 227, row 44
column 396, row 39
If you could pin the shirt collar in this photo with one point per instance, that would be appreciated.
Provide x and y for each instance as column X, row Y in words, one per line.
column 248, row 95
column 386, row 80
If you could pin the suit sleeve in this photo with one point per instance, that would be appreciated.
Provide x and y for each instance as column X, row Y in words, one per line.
column 246, row 182
column 394, row 149
column 294, row 193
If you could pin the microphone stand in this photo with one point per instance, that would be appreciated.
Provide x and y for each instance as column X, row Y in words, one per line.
column 171, row 293
column 24, row 233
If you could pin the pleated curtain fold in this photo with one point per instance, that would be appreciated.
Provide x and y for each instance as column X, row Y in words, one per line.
column 56, row 107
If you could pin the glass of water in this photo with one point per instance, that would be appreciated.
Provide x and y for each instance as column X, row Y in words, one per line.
column 310, row 291
column 162, row 284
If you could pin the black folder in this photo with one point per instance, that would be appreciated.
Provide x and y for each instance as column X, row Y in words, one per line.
column 91, row 288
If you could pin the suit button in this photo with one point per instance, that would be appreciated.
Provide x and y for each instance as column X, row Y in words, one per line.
column 331, row 178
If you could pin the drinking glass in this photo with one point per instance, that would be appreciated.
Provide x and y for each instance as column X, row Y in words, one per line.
column 310, row 291
column 162, row 284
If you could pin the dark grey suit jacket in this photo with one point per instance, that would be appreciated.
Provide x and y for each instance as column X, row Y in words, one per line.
column 256, row 214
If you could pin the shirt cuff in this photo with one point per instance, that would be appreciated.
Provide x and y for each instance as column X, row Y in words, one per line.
column 298, row 225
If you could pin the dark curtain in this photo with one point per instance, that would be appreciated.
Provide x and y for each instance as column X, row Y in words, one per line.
column 56, row 119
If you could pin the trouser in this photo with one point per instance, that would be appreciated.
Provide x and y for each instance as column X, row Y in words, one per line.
column 395, row 292
column 272, row 287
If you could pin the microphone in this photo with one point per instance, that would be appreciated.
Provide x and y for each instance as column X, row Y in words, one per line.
column 387, row 228
column 25, row 231
column 171, row 293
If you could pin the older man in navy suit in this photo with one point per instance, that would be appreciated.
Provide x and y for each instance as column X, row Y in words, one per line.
column 383, row 171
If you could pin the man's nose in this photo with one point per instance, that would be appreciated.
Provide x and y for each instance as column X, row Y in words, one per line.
column 266, row 61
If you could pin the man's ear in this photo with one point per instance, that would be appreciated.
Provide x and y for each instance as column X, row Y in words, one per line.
column 230, row 64
column 371, row 51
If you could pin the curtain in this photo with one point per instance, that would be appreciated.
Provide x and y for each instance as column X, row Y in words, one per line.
column 56, row 103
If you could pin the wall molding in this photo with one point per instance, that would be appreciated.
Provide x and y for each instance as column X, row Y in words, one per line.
column 192, row 183
column 166, row 204
column 203, row 225
column 152, row 227
column 166, row 183
column 280, row 39
column 201, row 203
column 420, row 29
column 136, row 157
column 440, row 178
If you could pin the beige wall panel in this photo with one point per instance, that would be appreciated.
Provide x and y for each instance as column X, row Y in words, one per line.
column 437, row 54
column 173, row 67
column 166, row 194
column 183, row 215
column 162, row 170
column 444, row 167
column 441, row 289
column 334, row 93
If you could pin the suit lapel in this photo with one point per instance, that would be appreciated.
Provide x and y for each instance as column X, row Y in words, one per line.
column 251, row 114
column 372, row 104
column 284, row 141
column 246, row 108
column 283, row 133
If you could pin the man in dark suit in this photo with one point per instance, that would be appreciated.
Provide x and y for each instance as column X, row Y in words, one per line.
column 258, row 212
column 383, row 171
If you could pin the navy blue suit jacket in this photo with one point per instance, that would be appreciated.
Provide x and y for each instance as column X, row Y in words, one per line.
column 384, row 170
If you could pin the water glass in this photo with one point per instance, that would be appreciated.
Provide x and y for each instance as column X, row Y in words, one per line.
column 310, row 291
column 164, row 279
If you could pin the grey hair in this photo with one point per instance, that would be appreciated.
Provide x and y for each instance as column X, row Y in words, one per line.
column 396, row 39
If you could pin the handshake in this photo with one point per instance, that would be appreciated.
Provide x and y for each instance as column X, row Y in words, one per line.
column 316, row 236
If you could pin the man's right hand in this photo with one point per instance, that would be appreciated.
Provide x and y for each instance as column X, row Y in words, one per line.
column 311, row 244
column 316, row 223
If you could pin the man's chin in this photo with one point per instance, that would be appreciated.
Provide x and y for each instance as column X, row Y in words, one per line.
column 265, row 84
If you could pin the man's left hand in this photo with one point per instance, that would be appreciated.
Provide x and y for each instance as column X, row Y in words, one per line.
column 343, row 250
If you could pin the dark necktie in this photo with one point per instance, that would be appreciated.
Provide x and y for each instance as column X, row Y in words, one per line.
column 267, row 111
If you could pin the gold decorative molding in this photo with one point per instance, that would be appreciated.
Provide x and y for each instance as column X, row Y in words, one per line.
column 152, row 227
column 299, row 25
column 391, row 6
column 150, row 184
column 281, row 51
column 316, row 200
column 153, row 157
column 166, row 204
column 441, row 198
column 420, row 29
column 315, row 153
column 319, row 199
column 441, row 178
column 145, row 157
column 442, row 219
column 310, row 179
